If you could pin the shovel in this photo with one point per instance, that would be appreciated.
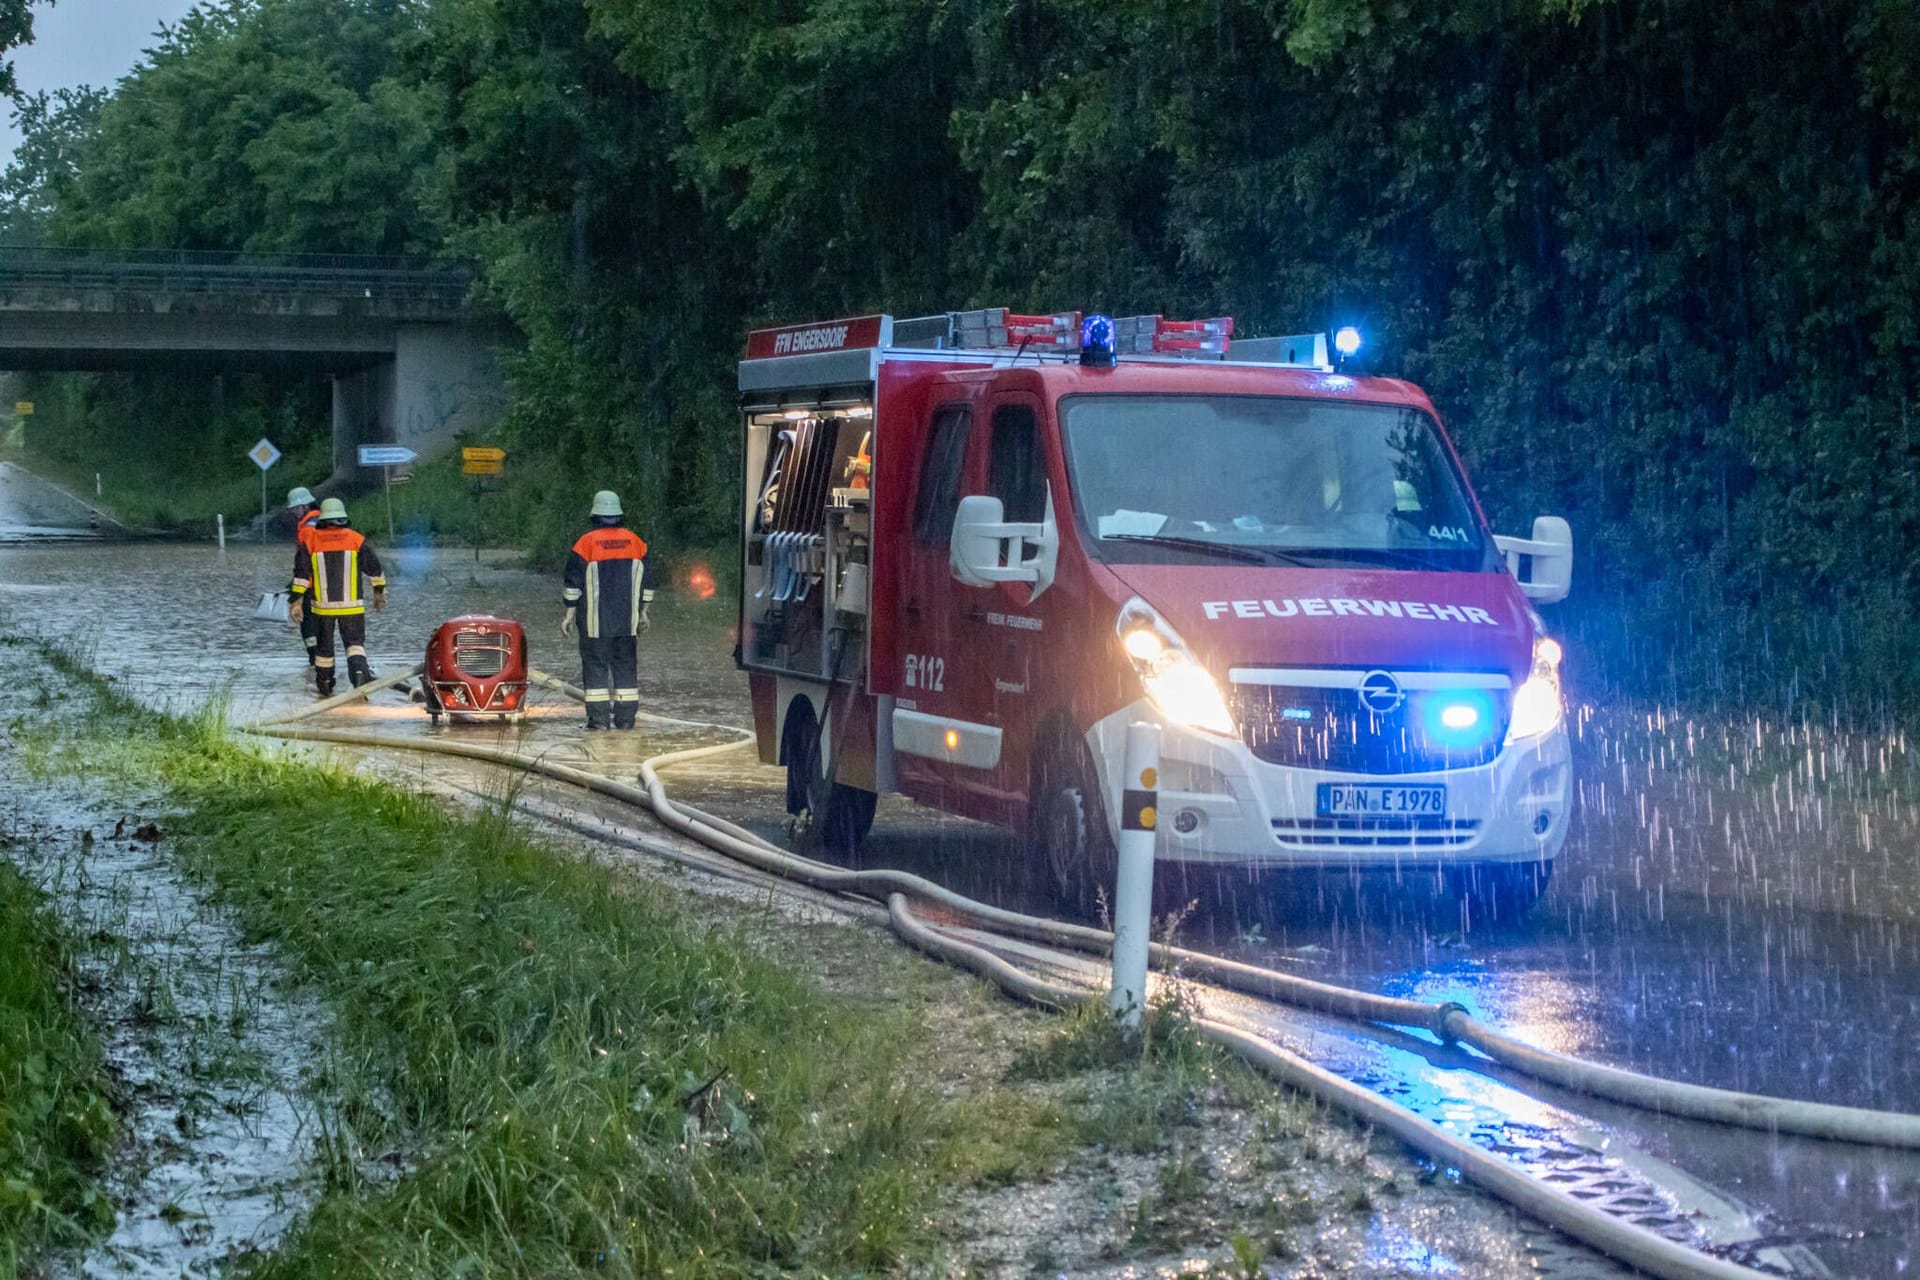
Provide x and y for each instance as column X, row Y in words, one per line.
column 272, row 607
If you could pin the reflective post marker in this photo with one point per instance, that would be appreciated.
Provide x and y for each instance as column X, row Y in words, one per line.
column 1133, row 891
column 220, row 530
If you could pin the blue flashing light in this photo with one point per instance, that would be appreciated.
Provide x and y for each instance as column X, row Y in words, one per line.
column 1096, row 341
column 1346, row 340
column 1296, row 713
column 1460, row 718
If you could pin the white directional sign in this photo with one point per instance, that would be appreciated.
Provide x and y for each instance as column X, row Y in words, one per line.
column 386, row 455
column 263, row 453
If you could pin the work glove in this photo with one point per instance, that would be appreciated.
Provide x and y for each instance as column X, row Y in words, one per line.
column 296, row 610
column 567, row 625
column 379, row 599
column 645, row 621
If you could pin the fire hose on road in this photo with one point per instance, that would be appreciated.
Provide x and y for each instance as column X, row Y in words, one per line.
column 1450, row 1022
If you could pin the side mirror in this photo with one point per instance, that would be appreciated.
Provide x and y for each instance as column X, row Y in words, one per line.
column 985, row 549
column 1542, row 564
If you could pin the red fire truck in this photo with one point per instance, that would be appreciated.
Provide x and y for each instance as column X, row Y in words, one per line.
column 978, row 545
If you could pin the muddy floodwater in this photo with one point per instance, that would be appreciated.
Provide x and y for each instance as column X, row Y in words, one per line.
column 1738, row 903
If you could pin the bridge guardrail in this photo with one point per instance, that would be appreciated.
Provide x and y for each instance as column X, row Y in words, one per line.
column 220, row 273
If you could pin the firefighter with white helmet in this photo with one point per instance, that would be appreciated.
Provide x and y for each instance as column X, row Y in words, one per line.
column 306, row 510
column 606, row 594
column 327, row 569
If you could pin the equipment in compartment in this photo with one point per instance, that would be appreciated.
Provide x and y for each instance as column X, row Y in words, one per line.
column 808, row 523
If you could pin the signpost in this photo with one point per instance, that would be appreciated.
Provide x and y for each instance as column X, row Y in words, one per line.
column 478, row 461
column 387, row 457
column 485, row 461
column 264, row 455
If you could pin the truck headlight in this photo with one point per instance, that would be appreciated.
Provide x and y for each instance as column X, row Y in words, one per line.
column 1537, row 704
column 1183, row 689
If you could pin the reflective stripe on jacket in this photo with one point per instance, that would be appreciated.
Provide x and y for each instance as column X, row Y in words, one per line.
column 606, row 580
column 328, row 566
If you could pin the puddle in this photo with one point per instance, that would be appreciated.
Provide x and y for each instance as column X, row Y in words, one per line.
column 209, row 1041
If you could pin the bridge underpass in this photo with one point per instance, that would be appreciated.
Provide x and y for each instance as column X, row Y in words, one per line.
column 409, row 361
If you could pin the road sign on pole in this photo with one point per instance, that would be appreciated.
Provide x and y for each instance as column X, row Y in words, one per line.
column 386, row 455
column 482, row 461
column 264, row 455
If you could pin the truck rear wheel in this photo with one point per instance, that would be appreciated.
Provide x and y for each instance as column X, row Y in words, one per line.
column 1500, row 892
column 838, row 816
column 1068, row 829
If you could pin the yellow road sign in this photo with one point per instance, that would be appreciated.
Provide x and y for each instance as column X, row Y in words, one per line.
column 481, row 468
column 486, row 453
column 23, row 407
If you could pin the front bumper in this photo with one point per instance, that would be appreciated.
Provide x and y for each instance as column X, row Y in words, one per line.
column 1238, row 809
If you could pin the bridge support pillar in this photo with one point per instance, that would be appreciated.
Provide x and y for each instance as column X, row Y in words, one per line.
column 443, row 380
column 446, row 383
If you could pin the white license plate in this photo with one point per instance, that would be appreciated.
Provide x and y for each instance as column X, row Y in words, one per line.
column 1344, row 799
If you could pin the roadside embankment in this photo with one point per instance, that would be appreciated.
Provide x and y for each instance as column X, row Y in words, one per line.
column 56, row 1119
column 540, row 1063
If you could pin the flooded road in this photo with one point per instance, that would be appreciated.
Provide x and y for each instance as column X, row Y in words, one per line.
column 36, row 510
column 1738, row 903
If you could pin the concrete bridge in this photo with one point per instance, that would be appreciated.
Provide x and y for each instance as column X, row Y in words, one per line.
column 410, row 363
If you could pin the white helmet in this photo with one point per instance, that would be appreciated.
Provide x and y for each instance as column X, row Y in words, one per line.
column 300, row 497
column 606, row 503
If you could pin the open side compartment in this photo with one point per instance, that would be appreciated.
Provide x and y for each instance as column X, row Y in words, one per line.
column 807, row 522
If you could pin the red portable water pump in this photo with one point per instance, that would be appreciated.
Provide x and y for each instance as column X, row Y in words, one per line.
column 477, row 666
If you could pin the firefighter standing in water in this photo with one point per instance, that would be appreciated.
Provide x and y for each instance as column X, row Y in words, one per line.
column 306, row 512
column 606, row 595
column 327, row 568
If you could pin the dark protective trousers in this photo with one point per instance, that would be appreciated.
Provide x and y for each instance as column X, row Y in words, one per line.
column 310, row 635
column 610, row 673
column 353, row 636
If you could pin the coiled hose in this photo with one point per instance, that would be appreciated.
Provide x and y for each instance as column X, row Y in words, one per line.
column 1450, row 1022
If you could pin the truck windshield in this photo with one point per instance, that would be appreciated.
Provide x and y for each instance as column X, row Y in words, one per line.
column 1163, row 478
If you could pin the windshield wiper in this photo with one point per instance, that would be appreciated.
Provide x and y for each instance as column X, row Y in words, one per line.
column 1386, row 556
column 1226, row 550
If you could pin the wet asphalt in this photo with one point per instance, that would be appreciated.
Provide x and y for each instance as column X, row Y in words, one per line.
column 1737, row 903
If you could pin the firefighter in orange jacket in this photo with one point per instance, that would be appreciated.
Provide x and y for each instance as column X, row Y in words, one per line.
column 327, row 568
column 606, row 595
column 306, row 512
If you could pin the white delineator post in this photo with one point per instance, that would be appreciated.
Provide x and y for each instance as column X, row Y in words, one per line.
column 1133, row 890
column 220, row 530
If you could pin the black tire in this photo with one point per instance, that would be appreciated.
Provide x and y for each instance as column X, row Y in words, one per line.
column 1068, row 832
column 1499, row 893
column 838, row 816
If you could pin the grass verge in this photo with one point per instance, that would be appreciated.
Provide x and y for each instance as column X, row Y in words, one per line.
column 595, row 1081
column 546, row 1067
column 56, row 1121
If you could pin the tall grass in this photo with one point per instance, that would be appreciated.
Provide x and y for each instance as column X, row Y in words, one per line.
column 591, row 1077
column 56, row 1122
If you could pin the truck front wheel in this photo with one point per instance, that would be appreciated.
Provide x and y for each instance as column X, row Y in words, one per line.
column 1068, row 830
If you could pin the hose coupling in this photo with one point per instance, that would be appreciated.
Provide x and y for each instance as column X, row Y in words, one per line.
column 1441, row 1013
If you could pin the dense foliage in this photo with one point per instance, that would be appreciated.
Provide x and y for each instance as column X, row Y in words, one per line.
column 1656, row 260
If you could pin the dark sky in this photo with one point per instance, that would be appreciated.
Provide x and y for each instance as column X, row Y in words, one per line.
column 86, row 42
